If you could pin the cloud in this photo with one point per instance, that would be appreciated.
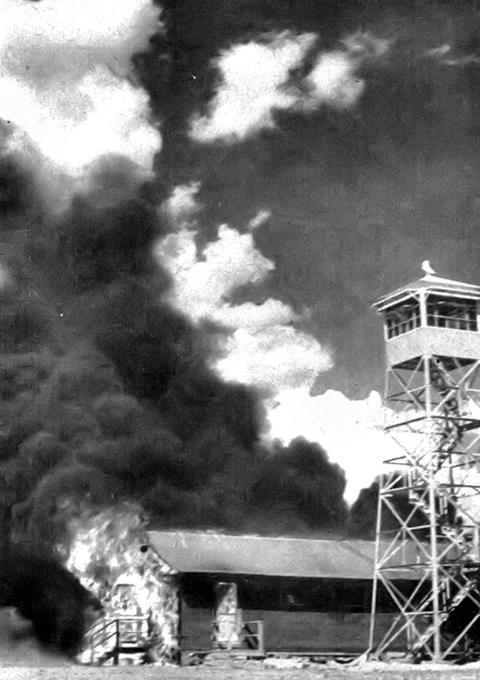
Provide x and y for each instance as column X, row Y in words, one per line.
column 444, row 55
column 256, row 81
column 66, row 81
column 274, row 357
column 253, row 79
column 204, row 285
column 334, row 78
column 261, row 344
column 333, row 81
column 182, row 205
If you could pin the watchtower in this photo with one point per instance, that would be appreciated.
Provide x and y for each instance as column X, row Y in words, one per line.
column 429, row 501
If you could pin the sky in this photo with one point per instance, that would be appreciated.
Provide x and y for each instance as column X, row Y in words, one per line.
column 348, row 133
column 303, row 157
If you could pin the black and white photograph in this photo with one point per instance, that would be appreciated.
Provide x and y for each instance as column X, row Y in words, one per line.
column 240, row 339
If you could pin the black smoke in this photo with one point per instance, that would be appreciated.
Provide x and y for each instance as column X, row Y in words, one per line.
column 107, row 393
column 50, row 597
column 300, row 480
column 362, row 516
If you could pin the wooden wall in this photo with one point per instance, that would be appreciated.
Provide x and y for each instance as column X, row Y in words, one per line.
column 299, row 615
column 291, row 631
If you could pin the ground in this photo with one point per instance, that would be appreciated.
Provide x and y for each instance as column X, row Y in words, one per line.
column 152, row 672
column 22, row 659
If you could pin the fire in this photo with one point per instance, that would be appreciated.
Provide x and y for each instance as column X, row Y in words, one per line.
column 108, row 553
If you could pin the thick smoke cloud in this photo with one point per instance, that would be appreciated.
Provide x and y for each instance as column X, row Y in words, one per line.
column 108, row 391
column 363, row 513
column 299, row 480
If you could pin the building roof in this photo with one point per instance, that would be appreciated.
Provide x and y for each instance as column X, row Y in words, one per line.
column 432, row 283
column 209, row 552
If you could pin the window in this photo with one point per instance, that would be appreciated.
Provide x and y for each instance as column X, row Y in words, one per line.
column 452, row 313
column 403, row 318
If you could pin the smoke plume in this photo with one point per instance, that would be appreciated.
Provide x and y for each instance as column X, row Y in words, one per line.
column 109, row 391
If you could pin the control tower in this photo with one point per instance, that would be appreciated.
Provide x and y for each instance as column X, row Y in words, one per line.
column 429, row 500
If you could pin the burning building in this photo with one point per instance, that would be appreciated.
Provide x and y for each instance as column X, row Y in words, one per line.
column 186, row 594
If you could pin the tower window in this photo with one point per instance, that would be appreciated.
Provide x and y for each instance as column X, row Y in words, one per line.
column 403, row 318
column 453, row 313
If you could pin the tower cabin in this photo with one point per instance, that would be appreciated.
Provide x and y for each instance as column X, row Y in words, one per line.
column 431, row 316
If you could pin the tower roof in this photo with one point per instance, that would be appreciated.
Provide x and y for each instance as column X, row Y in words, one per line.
column 433, row 284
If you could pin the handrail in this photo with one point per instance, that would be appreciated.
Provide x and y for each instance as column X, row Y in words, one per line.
column 100, row 627
column 98, row 635
column 110, row 628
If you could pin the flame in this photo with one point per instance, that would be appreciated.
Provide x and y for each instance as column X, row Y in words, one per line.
column 104, row 545
column 108, row 553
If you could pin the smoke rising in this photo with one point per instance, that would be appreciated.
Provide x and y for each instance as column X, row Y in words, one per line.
column 109, row 392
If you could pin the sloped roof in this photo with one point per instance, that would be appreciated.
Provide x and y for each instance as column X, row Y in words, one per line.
column 432, row 283
column 209, row 552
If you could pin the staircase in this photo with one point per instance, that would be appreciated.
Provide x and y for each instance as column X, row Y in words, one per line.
column 109, row 638
column 454, row 602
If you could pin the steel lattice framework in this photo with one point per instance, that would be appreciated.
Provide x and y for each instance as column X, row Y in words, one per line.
column 428, row 510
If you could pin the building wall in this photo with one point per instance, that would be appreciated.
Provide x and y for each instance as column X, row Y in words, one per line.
column 291, row 631
column 299, row 615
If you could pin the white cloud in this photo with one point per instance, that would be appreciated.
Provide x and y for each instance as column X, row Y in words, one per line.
column 261, row 345
column 274, row 356
column 66, row 84
column 260, row 218
column 333, row 81
column 252, row 86
column 52, row 38
column 182, row 206
column 255, row 81
column 203, row 286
